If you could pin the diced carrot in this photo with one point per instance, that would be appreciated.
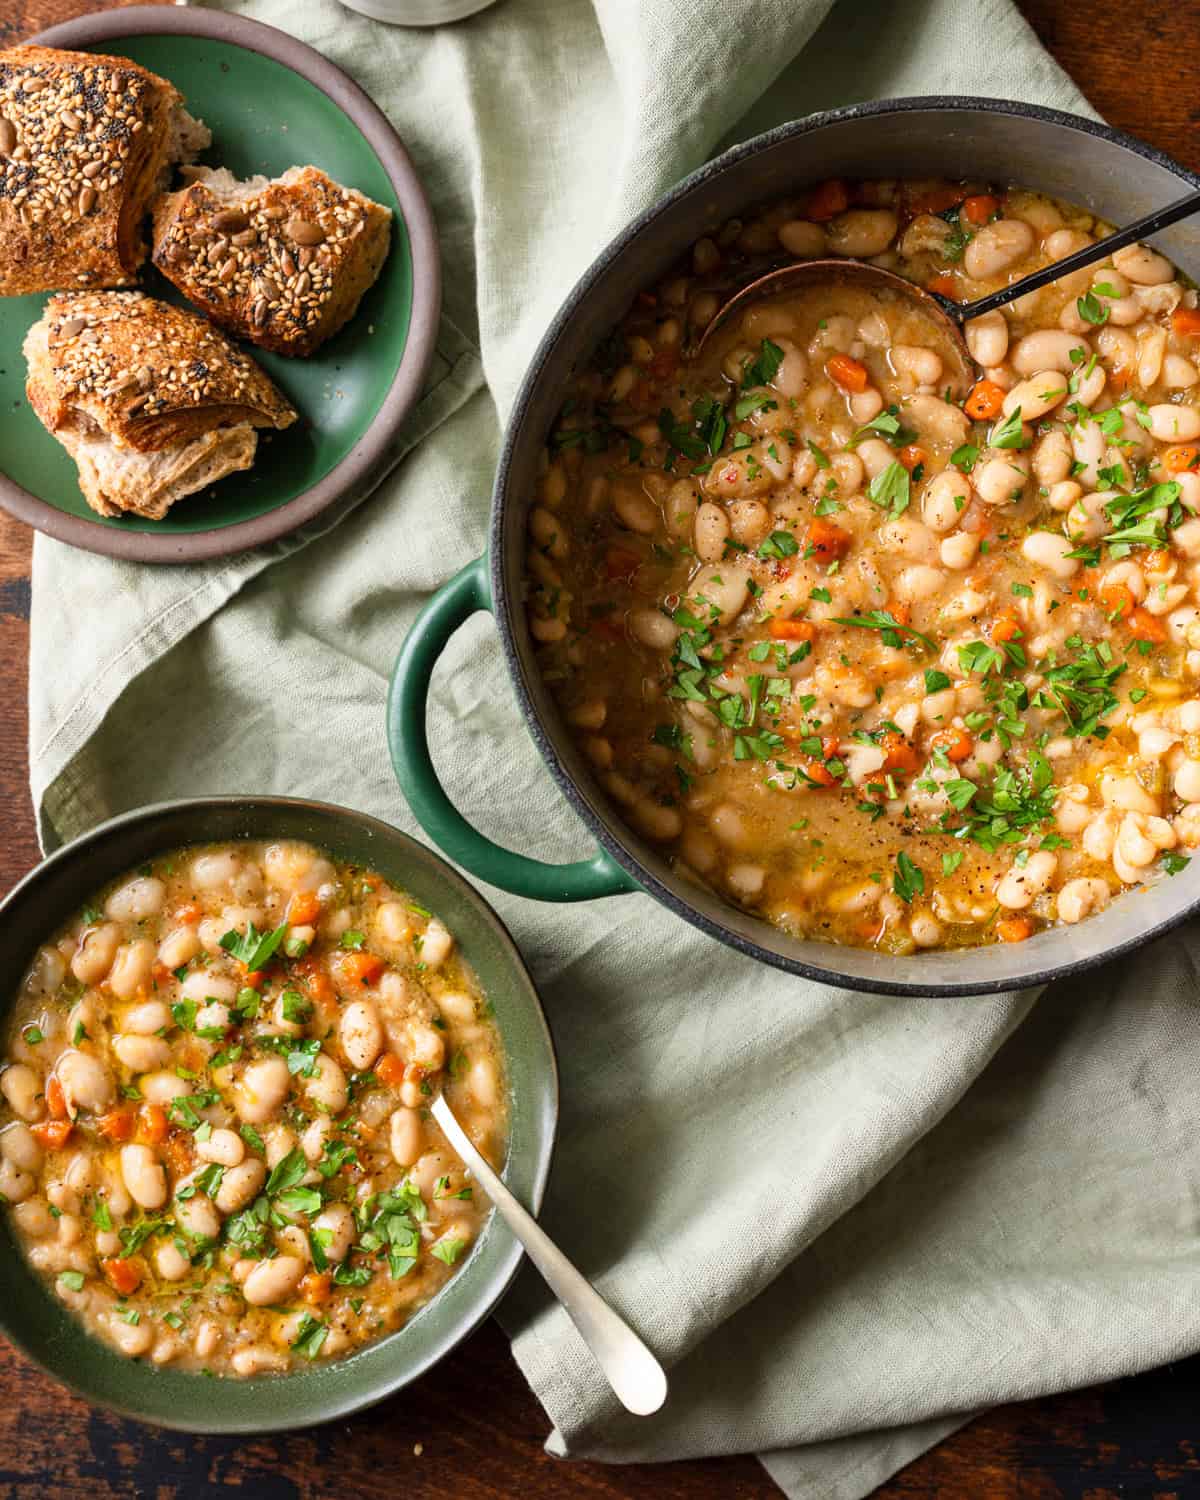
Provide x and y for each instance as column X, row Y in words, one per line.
column 985, row 401
column 935, row 199
column 180, row 1151
column 911, row 456
column 124, row 1275
column 620, row 562
column 151, row 1124
column 817, row 771
column 251, row 979
column 1176, row 460
column 901, row 613
column 944, row 285
column 1014, row 929
column 956, row 744
column 827, row 199
column 1147, row 627
column 980, row 208
column 792, row 630
column 316, row 981
column 390, row 1070
column 117, row 1125
column 826, row 540
column 664, row 364
column 316, row 1287
column 359, row 968
column 850, row 373
column 53, row 1134
column 1120, row 379
column 1186, row 322
column 160, row 973
column 1117, row 601
column 607, row 628
column 56, row 1101
column 303, row 909
column 645, row 396
column 869, row 929
column 1006, row 628
column 647, row 299
column 898, row 754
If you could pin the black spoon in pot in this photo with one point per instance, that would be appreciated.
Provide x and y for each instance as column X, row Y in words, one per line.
column 948, row 315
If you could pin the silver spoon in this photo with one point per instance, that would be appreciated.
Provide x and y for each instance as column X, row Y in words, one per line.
column 635, row 1375
column 948, row 315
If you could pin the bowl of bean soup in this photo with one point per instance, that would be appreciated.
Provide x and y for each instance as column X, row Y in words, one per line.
column 880, row 675
column 226, row 1203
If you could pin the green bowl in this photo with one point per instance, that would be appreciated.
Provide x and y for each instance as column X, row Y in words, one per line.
column 35, row 1321
column 271, row 103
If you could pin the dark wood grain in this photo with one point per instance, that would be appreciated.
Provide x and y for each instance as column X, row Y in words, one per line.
column 471, row 1429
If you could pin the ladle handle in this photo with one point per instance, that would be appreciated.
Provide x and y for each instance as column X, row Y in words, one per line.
column 1161, row 218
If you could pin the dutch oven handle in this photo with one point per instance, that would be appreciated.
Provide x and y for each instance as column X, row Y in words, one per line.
column 451, row 607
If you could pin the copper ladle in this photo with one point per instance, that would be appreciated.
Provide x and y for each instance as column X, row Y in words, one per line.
column 947, row 316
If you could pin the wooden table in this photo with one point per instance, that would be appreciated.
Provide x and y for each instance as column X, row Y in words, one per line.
column 472, row 1429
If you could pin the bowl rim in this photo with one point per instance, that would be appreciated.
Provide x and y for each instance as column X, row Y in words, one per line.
column 355, row 469
column 506, row 596
column 504, row 1274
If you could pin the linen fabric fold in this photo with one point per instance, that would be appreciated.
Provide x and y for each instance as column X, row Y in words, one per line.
column 845, row 1221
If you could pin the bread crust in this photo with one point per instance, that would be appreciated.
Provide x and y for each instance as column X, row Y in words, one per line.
column 148, row 374
column 84, row 140
column 284, row 265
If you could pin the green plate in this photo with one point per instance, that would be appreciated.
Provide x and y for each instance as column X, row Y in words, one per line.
column 270, row 103
column 34, row 1319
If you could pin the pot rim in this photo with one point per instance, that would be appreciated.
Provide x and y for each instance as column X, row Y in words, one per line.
column 603, row 828
column 338, row 1405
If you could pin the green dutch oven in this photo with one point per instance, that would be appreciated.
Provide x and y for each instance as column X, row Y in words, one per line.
column 29, row 1313
column 1063, row 155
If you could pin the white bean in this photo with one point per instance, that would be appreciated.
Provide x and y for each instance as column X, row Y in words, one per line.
column 987, row 338
column 336, row 1222
column 240, row 1184
column 360, row 1033
column 1034, row 397
column 22, row 1087
column 1144, row 266
column 437, row 944
column 136, row 900
column 143, row 1175
column 223, row 1147
column 86, row 1082
column 862, row 232
column 1018, row 888
column 170, row 1262
column 1000, row 481
column 327, row 1088
column 406, row 1136
column 261, row 1089
column 272, row 1281
column 95, row 954
column 197, row 1216
column 1047, row 549
column 711, row 532
column 19, row 1145
column 996, row 247
column 1174, row 424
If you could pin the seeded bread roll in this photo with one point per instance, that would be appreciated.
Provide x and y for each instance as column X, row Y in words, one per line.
column 283, row 262
column 85, row 143
column 150, row 400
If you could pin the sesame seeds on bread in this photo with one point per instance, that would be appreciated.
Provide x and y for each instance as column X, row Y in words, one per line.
column 151, row 401
column 283, row 263
column 86, row 141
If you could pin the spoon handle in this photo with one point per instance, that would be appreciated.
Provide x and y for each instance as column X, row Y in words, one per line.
column 635, row 1375
column 1161, row 218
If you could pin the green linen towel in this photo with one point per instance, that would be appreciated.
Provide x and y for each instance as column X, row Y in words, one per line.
column 840, row 1251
